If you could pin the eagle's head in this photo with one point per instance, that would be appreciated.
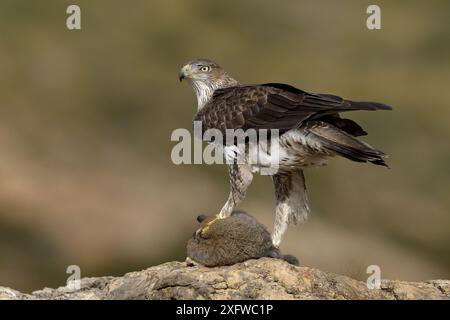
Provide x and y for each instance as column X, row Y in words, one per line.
column 205, row 76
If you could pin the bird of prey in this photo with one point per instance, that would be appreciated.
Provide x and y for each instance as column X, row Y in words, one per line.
column 310, row 131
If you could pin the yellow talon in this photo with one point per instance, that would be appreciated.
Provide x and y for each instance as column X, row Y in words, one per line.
column 205, row 228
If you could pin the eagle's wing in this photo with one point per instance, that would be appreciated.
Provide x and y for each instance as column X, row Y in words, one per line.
column 274, row 106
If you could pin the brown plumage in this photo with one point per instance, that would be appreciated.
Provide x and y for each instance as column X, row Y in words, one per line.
column 272, row 106
column 277, row 106
column 309, row 125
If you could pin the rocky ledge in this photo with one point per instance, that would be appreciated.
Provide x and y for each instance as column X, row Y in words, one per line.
column 264, row 278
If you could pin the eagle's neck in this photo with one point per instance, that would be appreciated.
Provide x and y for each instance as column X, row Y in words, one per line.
column 205, row 90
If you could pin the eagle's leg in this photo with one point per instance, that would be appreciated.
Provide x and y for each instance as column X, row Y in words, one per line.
column 241, row 177
column 291, row 202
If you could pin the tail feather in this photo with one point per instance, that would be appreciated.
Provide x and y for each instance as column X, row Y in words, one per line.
column 365, row 105
column 347, row 125
column 340, row 142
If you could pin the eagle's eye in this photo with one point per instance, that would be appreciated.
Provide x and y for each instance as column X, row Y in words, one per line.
column 205, row 68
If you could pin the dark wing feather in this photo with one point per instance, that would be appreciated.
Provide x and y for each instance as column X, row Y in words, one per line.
column 333, row 139
column 274, row 106
column 347, row 125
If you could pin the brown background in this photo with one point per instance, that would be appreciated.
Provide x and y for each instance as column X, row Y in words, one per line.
column 86, row 117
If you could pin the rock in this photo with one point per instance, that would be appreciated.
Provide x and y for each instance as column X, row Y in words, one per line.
column 10, row 294
column 234, row 239
column 264, row 278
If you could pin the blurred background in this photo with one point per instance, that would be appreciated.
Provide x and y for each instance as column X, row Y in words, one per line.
column 86, row 117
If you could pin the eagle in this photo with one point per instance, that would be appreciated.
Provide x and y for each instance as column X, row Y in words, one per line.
column 310, row 131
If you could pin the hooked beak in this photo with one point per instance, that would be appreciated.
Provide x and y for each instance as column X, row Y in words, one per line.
column 185, row 72
column 181, row 75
